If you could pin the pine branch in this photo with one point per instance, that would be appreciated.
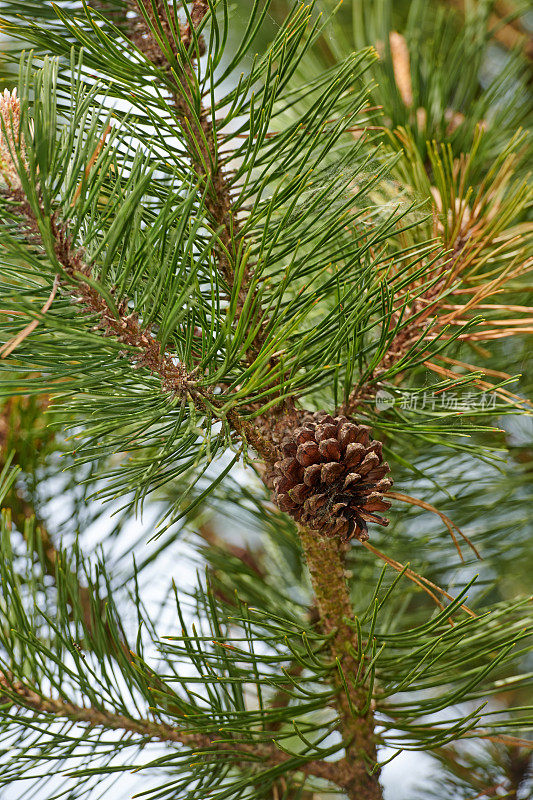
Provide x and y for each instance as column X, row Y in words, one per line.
column 326, row 566
column 475, row 232
column 22, row 512
column 118, row 321
column 245, row 754
column 198, row 129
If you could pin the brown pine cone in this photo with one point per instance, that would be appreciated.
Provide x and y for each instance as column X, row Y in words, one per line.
column 331, row 477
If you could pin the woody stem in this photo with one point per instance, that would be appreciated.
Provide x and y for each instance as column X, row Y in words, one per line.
column 326, row 566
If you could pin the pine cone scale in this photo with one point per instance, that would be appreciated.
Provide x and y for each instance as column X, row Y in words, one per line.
column 354, row 452
column 330, row 472
column 307, row 454
column 330, row 449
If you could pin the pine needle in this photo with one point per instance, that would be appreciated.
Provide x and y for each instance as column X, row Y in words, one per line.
column 13, row 343
column 420, row 580
column 404, row 498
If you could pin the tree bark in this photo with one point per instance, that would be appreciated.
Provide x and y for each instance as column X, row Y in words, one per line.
column 325, row 560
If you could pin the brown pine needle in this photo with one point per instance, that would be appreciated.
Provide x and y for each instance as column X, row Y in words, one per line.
column 506, row 396
column 473, row 367
column 501, row 738
column 481, row 336
column 413, row 576
column 487, row 290
column 13, row 343
column 507, row 322
column 471, row 290
column 420, row 580
column 485, row 790
column 495, row 306
column 405, row 498
column 88, row 168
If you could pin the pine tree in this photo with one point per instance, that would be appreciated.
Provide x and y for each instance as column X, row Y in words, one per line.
column 246, row 286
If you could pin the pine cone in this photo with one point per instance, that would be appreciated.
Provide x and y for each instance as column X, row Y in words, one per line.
column 331, row 477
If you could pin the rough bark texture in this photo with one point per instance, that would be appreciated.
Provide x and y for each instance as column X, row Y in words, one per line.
column 326, row 566
column 247, row 754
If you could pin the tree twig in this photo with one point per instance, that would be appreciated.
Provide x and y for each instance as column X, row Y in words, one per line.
column 326, row 566
column 261, row 753
column 13, row 343
column 199, row 133
column 124, row 325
